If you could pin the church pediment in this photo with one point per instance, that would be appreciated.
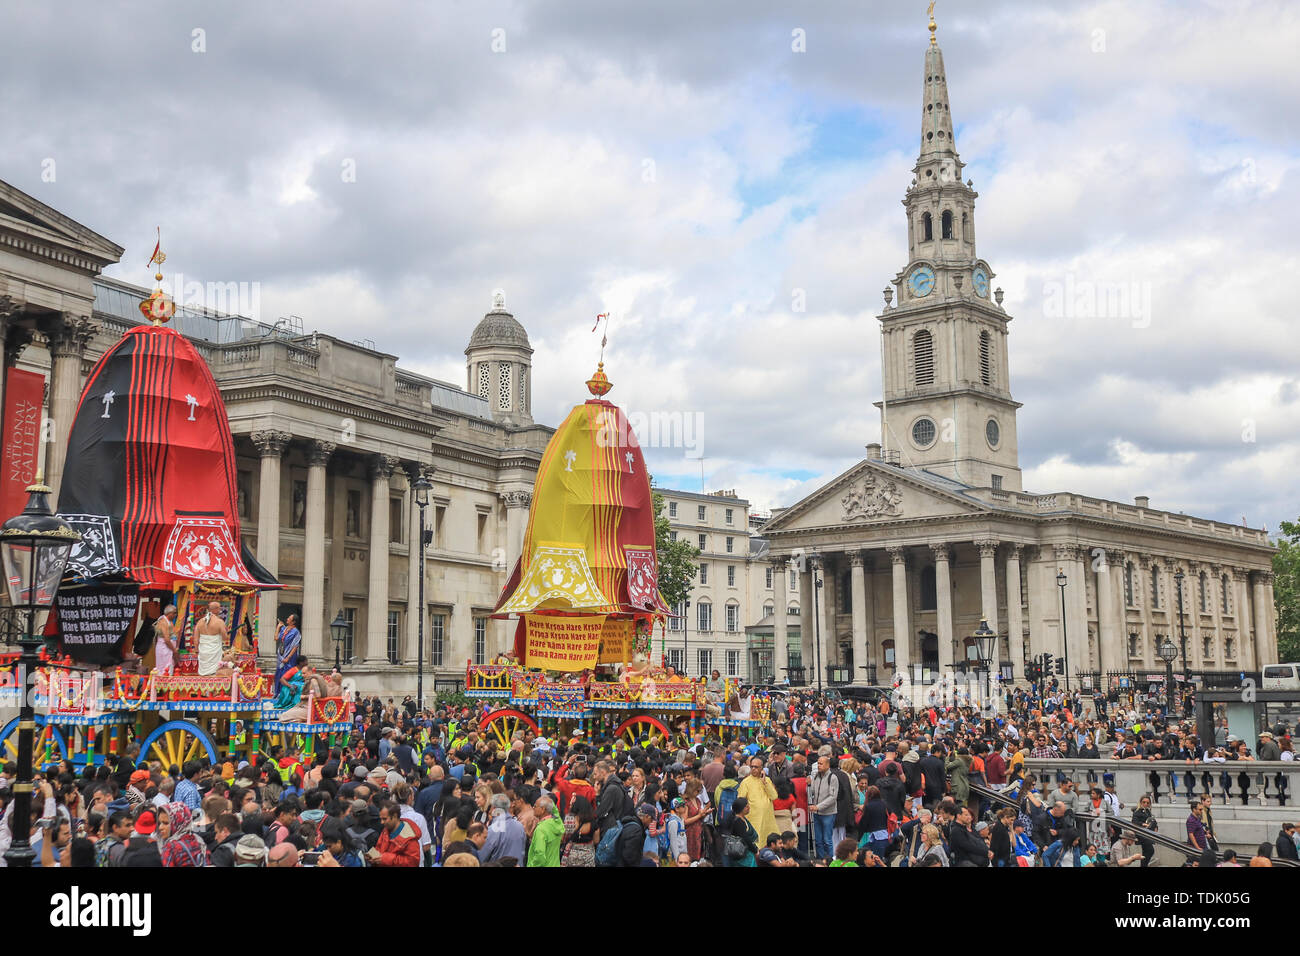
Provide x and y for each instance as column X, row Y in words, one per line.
column 28, row 217
column 874, row 493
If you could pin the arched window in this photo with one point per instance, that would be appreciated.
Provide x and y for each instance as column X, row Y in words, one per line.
column 923, row 357
column 1128, row 584
column 986, row 358
column 769, row 610
column 1155, row 586
column 1223, row 590
column 927, row 228
column 792, row 610
column 965, row 228
column 704, row 617
column 929, row 590
column 1205, row 595
column 947, row 223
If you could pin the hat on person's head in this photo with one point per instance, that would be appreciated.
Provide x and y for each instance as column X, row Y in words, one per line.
column 981, row 826
column 1232, row 738
column 646, row 810
column 146, row 823
column 358, row 806
column 824, row 750
column 139, row 776
column 250, row 849
column 1265, row 733
column 767, row 855
column 678, row 802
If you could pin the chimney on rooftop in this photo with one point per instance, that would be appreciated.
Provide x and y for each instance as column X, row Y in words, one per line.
column 1142, row 501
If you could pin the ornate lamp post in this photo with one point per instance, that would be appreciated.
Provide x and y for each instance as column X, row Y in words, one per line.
column 1168, row 652
column 815, row 563
column 34, row 547
column 1061, row 581
column 422, row 487
column 686, row 639
column 986, row 645
column 338, row 631
column 1182, row 633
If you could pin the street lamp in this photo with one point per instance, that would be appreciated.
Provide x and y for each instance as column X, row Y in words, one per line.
column 34, row 547
column 339, row 632
column 1182, row 634
column 1065, row 637
column 815, row 562
column 686, row 640
column 1167, row 653
column 422, row 487
column 986, row 645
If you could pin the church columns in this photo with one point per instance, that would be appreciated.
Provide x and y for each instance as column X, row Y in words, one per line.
column 270, row 445
column 1075, row 624
column 862, row 612
column 313, row 559
column 517, row 503
column 988, row 549
column 413, row 608
column 1106, row 624
column 902, row 622
column 1265, row 646
column 1015, row 626
column 68, row 337
column 780, row 633
column 1240, row 583
column 381, row 468
column 943, row 603
column 806, row 627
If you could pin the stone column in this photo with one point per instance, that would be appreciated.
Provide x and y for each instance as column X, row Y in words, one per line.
column 988, row 549
column 861, row 613
column 517, row 504
column 67, row 341
column 413, row 609
column 1271, row 609
column 270, row 445
column 381, row 468
column 1239, row 581
column 313, row 557
column 943, row 603
column 1015, row 625
column 828, row 653
column 806, row 627
column 780, row 633
column 1265, row 646
column 902, row 619
column 1107, row 636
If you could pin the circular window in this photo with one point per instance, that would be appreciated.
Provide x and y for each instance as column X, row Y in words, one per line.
column 923, row 432
column 992, row 433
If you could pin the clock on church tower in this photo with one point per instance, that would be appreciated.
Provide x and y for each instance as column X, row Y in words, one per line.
column 946, row 403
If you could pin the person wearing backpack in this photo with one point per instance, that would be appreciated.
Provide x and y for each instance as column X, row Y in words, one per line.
column 823, row 796
column 613, row 804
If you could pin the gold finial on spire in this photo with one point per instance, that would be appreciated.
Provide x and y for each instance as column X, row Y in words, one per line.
column 930, row 10
column 159, row 307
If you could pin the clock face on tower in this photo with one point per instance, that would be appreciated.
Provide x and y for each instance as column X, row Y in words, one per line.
column 921, row 281
column 981, row 282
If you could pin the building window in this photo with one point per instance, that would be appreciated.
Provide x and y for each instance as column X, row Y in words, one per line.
column 353, row 529
column 394, row 637
column 439, row 519
column 1208, row 648
column 733, row 618
column 703, row 543
column 733, row 663
column 705, row 658
column 729, row 512
column 299, row 516
column 503, row 399
column 677, row 659
column 437, row 629
column 244, row 493
column 704, row 574
column 1205, row 594
column 924, row 432
column 769, row 610
column 731, row 575
column 846, row 592
column 768, row 579
column 792, row 610
column 1155, row 586
column 484, row 382
column 731, row 545
column 1223, row 587
column 395, row 523
column 704, row 617
column 986, row 358
column 349, row 636
column 923, row 358
column 679, row 615
column 700, row 512
column 482, row 532
column 480, row 640
column 929, row 590
column 927, row 227
column 1229, row 651
column 793, row 582
column 672, row 535
column 672, row 509
column 997, row 482
column 946, row 222
column 1128, row 584
column 1134, row 648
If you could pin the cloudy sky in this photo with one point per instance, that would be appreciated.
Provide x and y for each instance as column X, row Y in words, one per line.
column 698, row 169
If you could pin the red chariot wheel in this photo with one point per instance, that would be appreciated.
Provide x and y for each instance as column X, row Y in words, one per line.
column 505, row 723
column 643, row 727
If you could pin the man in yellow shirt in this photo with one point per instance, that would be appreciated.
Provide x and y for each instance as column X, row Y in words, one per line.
column 759, row 791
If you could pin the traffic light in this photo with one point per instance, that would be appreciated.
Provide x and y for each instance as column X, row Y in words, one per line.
column 1047, row 664
column 1060, row 666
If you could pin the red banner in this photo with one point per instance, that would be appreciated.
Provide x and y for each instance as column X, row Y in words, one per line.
column 24, row 394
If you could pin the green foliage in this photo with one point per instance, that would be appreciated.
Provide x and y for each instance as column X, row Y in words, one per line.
column 1286, row 592
column 457, row 699
column 677, row 567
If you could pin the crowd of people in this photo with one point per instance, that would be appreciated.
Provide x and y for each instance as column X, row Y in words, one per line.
column 829, row 783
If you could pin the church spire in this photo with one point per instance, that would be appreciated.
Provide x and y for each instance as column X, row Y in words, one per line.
column 937, row 141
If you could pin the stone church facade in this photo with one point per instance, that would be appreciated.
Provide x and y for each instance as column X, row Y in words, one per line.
column 933, row 532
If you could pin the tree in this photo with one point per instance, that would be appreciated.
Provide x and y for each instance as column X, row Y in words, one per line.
column 677, row 567
column 1286, row 592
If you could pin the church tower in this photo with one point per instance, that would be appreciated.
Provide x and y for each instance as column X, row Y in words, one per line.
column 947, row 395
column 498, row 363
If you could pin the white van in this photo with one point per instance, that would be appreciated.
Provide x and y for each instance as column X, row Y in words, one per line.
column 1281, row 677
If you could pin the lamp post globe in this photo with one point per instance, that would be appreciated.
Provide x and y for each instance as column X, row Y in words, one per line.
column 338, row 631
column 34, row 549
column 1168, row 651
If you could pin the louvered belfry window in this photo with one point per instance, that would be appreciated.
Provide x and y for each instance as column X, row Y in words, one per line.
column 923, row 354
column 986, row 358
